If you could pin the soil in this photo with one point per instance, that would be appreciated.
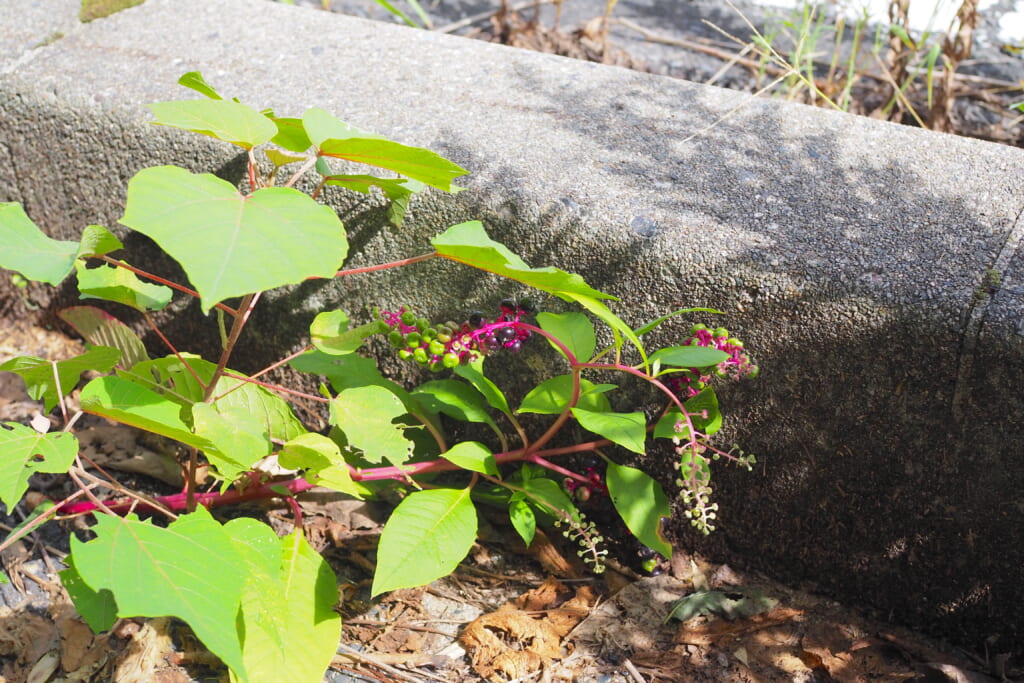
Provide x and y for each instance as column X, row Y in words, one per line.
column 508, row 613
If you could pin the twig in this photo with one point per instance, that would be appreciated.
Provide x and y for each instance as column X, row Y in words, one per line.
column 351, row 653
column 474, row 18
column 633, row 673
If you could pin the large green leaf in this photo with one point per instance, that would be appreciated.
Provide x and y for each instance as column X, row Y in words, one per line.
column 453, row 398
column 291, row 134
column 230, row 244
column 472, row 456
column 468, row 243
column 572, row 329
column 132, row 404
column 335, row 138
column 291, row 630
column 689, row 356
column 97, row 608
column 41, row 376
column 226, row 120
column 473, row 372
column 427, row 536
column 99, row 328
column 550, row 495
column 552, row 396
column 522, row 518
column 629, row 430
column 366, row 415
column 30, row 252
column 232, row 445
column 24, row 451
column 641, row 503
column 153, row 572
column 122, row 286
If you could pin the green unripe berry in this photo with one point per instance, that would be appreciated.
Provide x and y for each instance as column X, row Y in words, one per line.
column 422, row 324
column 735, row 342
column 450, row 360
column 443, row 336
column 430, row 332
column 396, row 339
column 720, row 332
column 413, row 339
column 697, row 328
column 405, row 354
column 649, row 565
column 420, row 355
column 409, row 318
column 436, row 348
column 754, row 371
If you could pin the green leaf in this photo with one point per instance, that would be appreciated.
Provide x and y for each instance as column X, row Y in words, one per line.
column 473, row 373
column 552, row 396
column 398, row 190
column 320, row 125
column 366, row 416
column 427, row 536
column 472, row 456
column 705, row 400
column 283, row 158
column 331, row 335
column 732, row 604
column 291, row 134
column 98, row 608
column 345, row 372
column 629, row 430
column 30, row 252
column 455, row 399
column 523, row 520
column 641, row 503
column 322, row 460
column 229, row 244
column 689, row 356
column 97, row 241
column 618, row 325
column 226, row 120
column 180, row 380
column 153, row 571
column 232, row 445
column 550, row 494
column 99, row 328
column 291, row 630
column 129, row 403
column 195, row 81
column 24, row 451
column 467, row 243
column 38, row 373
column 417, row 163
column 121, row 286
column 572, row 329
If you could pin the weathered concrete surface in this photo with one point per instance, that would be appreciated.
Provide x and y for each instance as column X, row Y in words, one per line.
column 853, row 256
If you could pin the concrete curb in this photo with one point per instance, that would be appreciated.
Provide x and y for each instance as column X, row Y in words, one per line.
column 872, row 268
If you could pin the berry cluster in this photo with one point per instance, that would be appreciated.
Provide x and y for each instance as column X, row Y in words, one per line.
column 451, row 344
column 691, row 382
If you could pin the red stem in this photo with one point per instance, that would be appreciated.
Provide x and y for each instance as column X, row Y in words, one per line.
column 156, row 278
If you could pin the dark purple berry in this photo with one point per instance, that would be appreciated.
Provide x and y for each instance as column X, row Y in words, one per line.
column 506, row 334
column 508, row 306
column 476, row 319
column 514, row 346
column 527, row 305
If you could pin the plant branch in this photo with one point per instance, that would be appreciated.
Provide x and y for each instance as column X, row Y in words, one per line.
column 156, row 278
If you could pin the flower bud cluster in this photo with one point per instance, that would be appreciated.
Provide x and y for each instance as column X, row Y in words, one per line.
column 738, row 365
column 450, row 344
column 585, row 534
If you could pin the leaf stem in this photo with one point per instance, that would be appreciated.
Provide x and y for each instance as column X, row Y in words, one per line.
column 156, row 278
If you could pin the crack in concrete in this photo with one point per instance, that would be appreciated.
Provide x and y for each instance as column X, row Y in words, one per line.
column 992, row 281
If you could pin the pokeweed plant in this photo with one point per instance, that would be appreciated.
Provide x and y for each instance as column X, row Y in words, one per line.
column 267, row 609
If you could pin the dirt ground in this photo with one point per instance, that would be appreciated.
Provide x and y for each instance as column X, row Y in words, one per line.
column 507, row 614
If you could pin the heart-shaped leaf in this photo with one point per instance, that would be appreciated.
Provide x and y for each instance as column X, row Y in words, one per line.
column 230, row 244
